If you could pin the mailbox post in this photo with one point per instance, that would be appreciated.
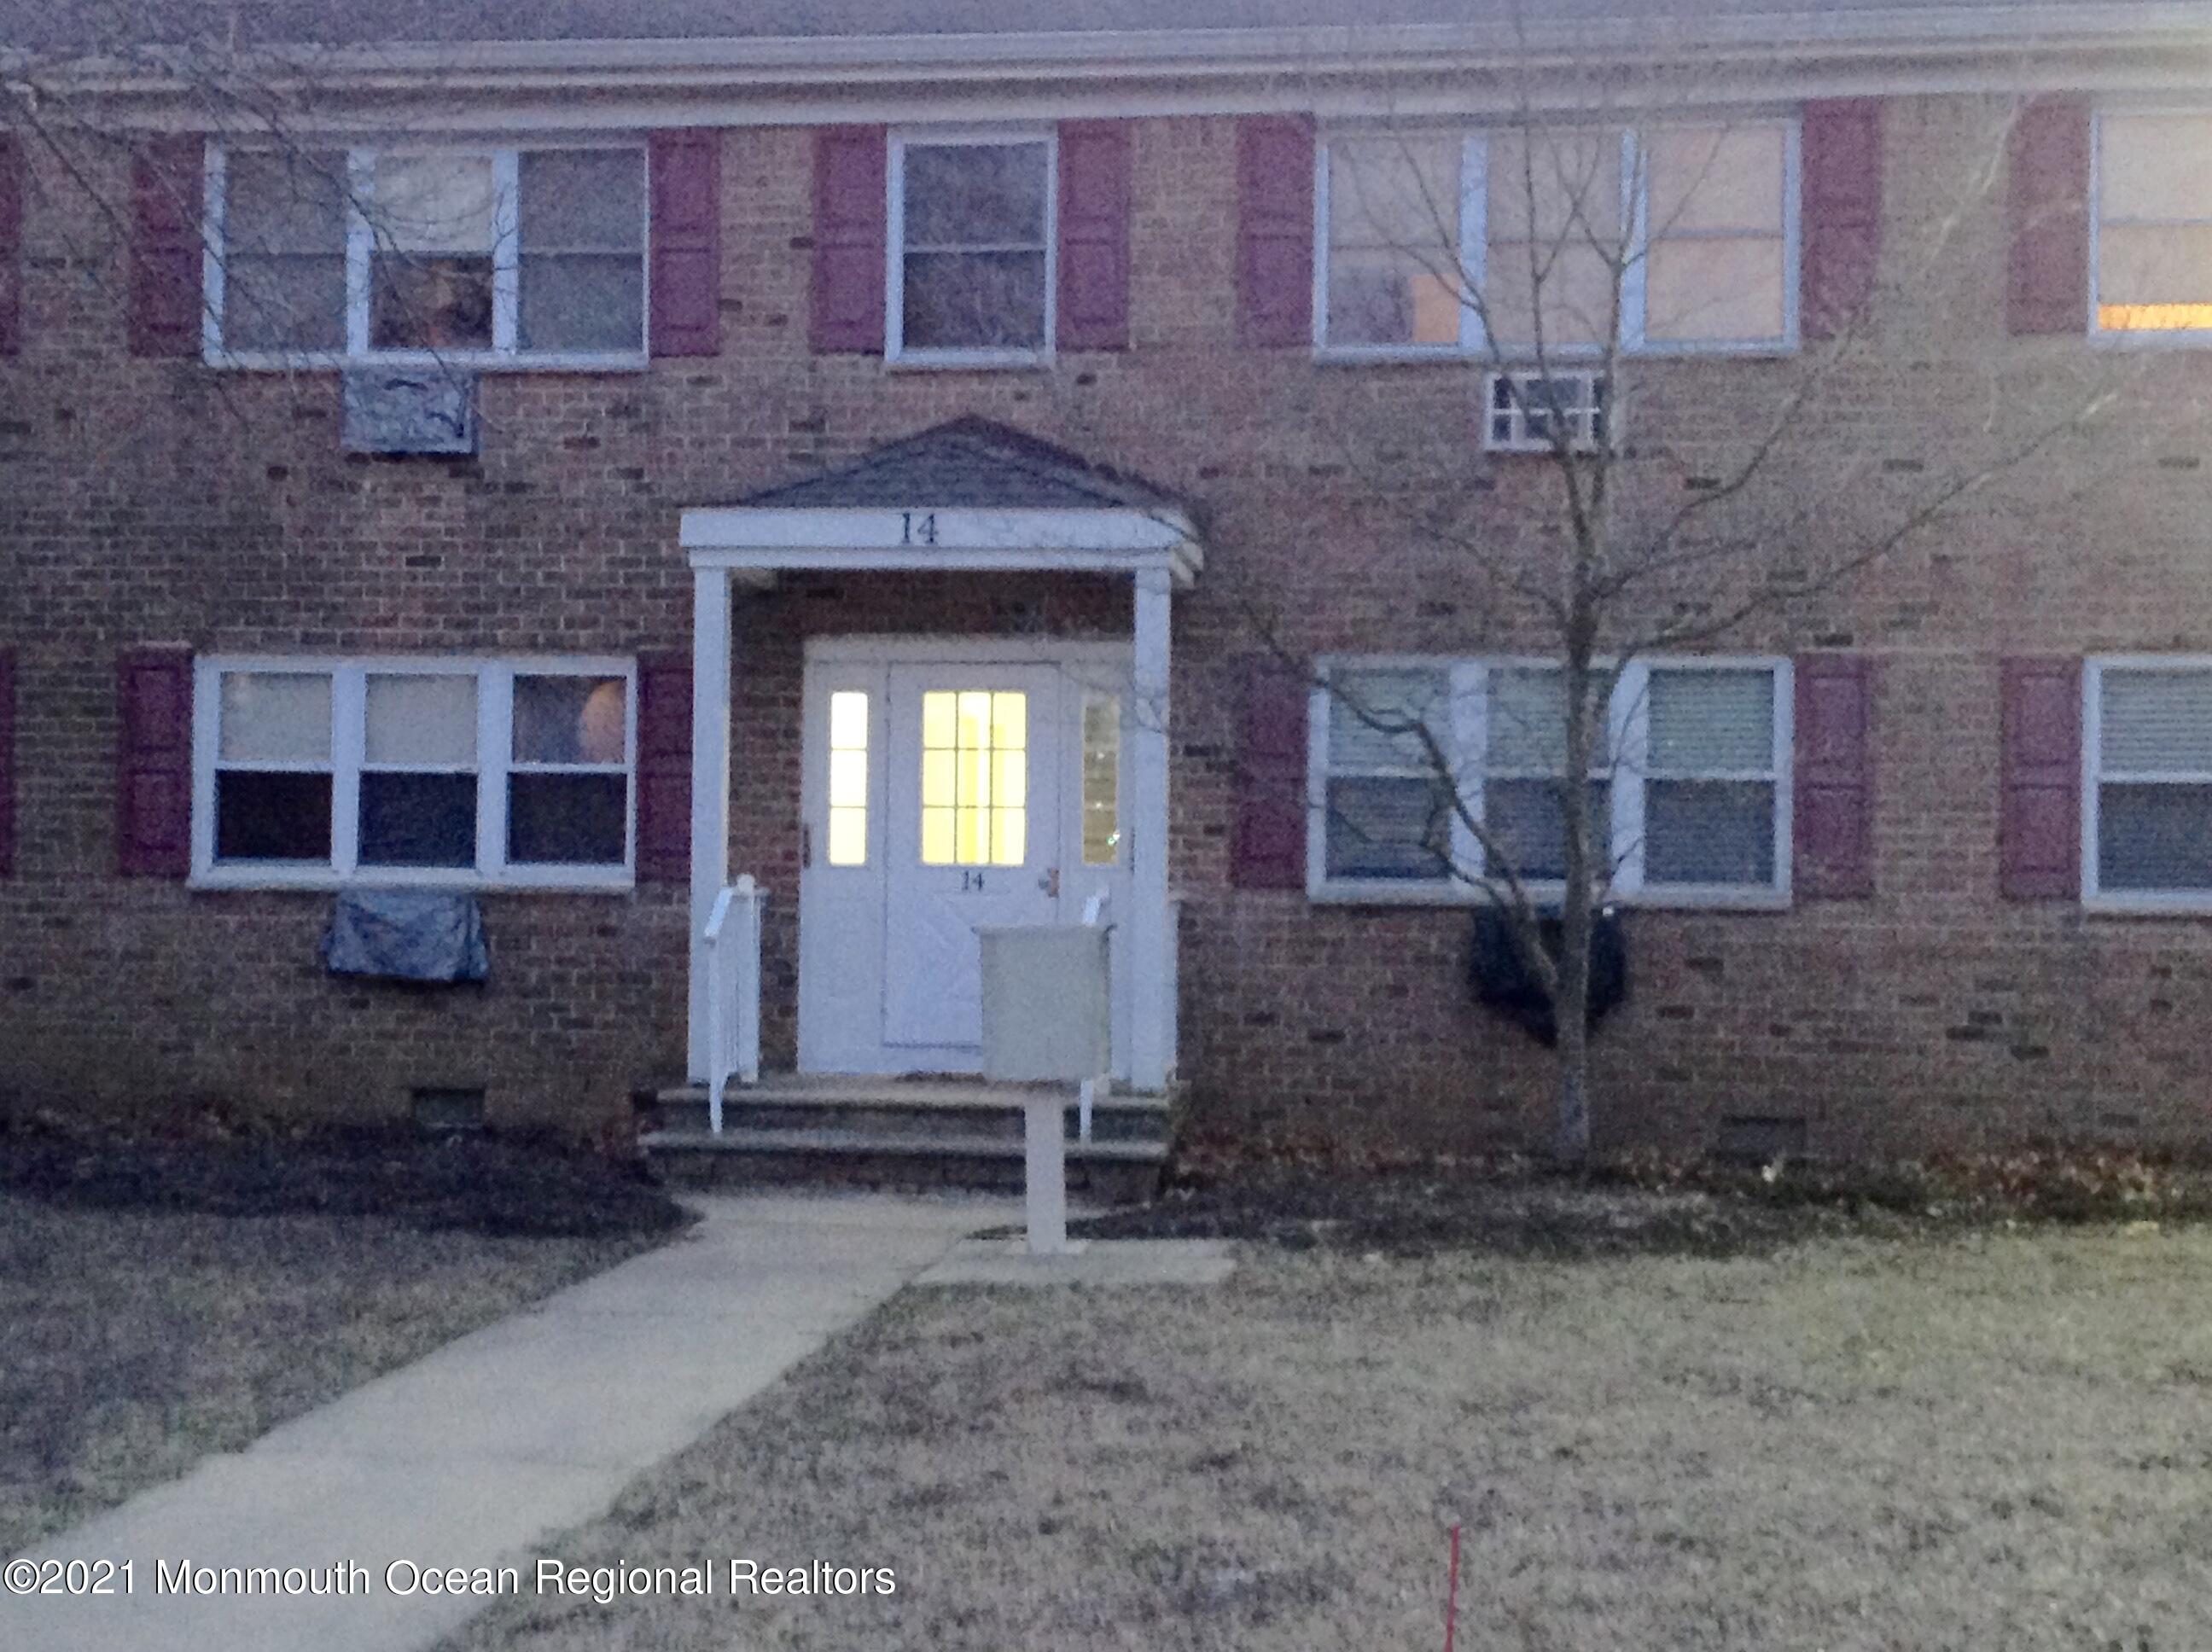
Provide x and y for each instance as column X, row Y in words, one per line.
column 1047, row 1024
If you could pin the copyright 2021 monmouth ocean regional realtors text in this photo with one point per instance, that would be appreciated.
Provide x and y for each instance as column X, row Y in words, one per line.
column 734, row 1577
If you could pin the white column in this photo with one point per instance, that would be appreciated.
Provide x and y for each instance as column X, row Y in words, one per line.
column 710, row 782
column 1151, row 977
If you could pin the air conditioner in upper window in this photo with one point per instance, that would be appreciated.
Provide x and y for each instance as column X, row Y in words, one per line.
column 1519, row 409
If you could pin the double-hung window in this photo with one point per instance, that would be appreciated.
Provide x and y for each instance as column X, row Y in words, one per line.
column 2149, row 757
column 1558, row 241
column 2153, row 224
column 1429, row 777
column 972, row 248
column 318, row 773
column 479, row 257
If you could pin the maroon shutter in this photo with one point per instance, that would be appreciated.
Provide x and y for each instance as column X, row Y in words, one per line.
column 1833, row 779
column 11, row 245
column 687, row 243
column 6, row 763
column 1094, row 235
column 2040, row 815
column 165, row 254
column 1275, row 229
column 154, row 782
column 1842, row 212
column 849, row 209
column 663, row 767
column 1267, row 846
column 2048, row 208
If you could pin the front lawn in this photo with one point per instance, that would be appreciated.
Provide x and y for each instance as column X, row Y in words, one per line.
column 1916, row 1441
column 161, row 1300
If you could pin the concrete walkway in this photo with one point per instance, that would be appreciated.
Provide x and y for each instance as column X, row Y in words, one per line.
column 478, row 1454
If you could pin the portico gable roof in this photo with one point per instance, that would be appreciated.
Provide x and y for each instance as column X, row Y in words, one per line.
column 971, row 494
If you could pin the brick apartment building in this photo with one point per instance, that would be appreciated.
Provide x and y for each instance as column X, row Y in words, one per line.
column 896, row 443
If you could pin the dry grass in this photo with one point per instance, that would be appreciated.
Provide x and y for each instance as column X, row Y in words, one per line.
column 135, row 1343
column 2001, row 1440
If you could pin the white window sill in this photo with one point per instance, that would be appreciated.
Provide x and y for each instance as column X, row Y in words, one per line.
column 458, row 360
column 1564, row 357
column 310, row 879
column 965, row 360
column 1348, row 892
column 2149, row 903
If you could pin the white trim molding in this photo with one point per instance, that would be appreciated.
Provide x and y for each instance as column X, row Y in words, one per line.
column 765, row 540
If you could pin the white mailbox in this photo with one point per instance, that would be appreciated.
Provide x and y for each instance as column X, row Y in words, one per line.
column 1047, row 996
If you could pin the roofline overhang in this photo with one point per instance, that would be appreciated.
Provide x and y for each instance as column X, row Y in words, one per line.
column 796, row 63
column 763, row 541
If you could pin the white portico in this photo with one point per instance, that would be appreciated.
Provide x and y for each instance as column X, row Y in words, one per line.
column 949, row 782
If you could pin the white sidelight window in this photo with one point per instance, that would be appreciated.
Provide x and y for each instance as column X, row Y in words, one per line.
column 1688, row 788
column 972, row 247
column 316, row 773
column 1680, row 238
column 2153, row 224
column 2150, row 799
column 474, row 256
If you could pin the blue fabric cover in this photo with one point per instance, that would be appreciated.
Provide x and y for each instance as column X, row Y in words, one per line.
column 407, row 935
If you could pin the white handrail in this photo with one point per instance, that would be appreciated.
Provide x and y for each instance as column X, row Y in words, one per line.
column 732, row 945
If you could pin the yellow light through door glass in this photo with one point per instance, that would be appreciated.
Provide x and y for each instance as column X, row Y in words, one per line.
column 1102, row 782
column 975, row 778
column 848, row 779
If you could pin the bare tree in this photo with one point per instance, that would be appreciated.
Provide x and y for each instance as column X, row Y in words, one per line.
column 1609, row 240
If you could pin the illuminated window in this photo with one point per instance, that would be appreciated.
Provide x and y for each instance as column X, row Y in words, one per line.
column 2155, row 223
column 1102, row 782
column 975, row 778
column 848, row 779
column 1716, row 270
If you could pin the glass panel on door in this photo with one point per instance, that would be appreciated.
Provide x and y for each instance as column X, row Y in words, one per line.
column 974, row 778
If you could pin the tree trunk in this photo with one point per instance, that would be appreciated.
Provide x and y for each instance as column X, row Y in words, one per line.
column 1571, row 1133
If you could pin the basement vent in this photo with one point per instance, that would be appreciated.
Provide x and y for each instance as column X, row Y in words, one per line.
column 445, row 1112
column 432, row 410
column 1749, row 1140
column 1522, row 409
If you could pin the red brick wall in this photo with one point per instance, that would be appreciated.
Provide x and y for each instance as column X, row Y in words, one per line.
column 149, row 502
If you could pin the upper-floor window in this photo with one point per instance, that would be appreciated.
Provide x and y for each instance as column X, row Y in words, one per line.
column 443, row 771
column 480, row 256
column 1680, row 238
column 972, row 253
column 1687, row 788
column 2153, row 223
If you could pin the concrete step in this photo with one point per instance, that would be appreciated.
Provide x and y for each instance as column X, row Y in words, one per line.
column 902, row 1109
column 1108, row 1172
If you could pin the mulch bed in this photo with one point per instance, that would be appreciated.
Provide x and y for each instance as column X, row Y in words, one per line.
column 1642, row 1205
column 502, row 1187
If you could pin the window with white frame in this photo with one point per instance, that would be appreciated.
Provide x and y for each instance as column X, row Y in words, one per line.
column 2153, row 224
column 408, row 771
column 2150, row 815
column 1682, row 238
column 972, row 253
column 1688, row 790
column 478, row 256
column 1385, row 794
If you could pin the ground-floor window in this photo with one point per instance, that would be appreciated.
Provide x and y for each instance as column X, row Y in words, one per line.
column 1429, row 775
column 2149, row 819
column 414, row 771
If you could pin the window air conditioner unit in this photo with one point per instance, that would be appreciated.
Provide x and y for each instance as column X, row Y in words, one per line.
column 425, row 410
column 1519, row 407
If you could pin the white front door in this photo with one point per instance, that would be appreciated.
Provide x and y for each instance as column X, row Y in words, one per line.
column 944, row 798
column 974, row 838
